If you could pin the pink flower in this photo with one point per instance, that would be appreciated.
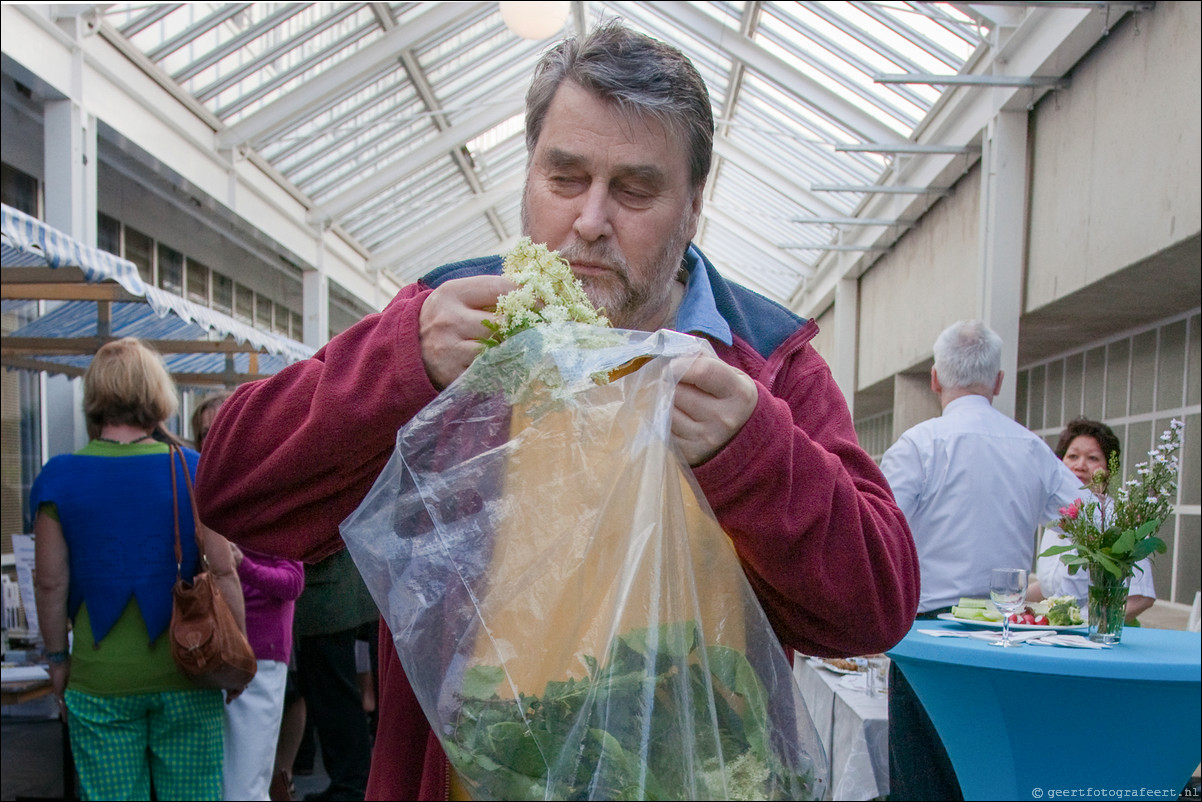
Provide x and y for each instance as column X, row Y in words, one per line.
column 1071, row 510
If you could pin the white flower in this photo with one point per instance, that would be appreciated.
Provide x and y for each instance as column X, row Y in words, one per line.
column 548, row 292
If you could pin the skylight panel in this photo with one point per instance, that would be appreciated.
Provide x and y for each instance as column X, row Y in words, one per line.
column 955, row 34
column 498, row 134
column 830, row 68
column 270, row 52
column 264, row 86
column 813, row 36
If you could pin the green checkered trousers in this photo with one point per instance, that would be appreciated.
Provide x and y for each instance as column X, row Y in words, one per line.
column 121, row 742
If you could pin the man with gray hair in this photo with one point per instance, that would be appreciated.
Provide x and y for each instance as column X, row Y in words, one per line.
column 619, row 133
column 975, row 486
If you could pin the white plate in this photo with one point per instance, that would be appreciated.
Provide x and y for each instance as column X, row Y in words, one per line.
column 1013, row 627
column 820, row 663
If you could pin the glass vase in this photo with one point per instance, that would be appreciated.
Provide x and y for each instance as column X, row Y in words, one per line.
column 1107, row 605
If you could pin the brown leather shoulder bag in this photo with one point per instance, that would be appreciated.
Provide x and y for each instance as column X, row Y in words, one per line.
column 206, row 641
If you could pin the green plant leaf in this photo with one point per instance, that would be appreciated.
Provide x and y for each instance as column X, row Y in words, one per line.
column 1112, row 567
column 1147, row 547
column 671, row 642
column 481, row 682
column 515, row 742
column 732, row 669
column 1124, row 543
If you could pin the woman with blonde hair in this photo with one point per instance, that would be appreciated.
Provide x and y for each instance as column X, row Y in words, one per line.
column 104, row 520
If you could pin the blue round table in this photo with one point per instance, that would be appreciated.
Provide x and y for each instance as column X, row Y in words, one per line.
column 1052, row 722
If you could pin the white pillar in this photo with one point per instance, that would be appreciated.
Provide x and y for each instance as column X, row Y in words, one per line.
column 843, row 363
column 1004, row 238
column 69, row 139
column 316, row 299
column 69, row 148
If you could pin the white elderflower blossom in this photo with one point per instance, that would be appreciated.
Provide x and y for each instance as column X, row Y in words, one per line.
column 547, row 293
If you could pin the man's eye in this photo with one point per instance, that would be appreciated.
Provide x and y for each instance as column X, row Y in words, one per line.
column 635, row 197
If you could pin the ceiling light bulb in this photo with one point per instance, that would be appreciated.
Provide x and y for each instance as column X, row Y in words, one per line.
column 537, row 20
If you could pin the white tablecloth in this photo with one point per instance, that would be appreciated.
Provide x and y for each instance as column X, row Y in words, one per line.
column 854, row 729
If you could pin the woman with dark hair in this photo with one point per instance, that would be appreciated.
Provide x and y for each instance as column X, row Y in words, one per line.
column 1086, row 447
column 105, row 558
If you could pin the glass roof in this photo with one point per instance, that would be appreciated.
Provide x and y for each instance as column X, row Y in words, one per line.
column 402, row 122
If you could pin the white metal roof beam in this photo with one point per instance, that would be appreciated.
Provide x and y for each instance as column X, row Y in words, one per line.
column 421, row 83
column 850, row 57
column 901, row 29
column 756, row 239
column 873, row 43
column 288, row 108
column 730, row 104
column 997, row 16
column 228, row 79
column 438, row 148
column 813, row 94
column 968, row 31
column 752, row 165
column 392, row 258
column 384, row 15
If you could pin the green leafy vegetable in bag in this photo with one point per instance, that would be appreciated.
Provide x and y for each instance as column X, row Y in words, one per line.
column 501, row 746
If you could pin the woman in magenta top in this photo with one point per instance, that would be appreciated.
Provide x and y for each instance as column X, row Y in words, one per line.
column 270, row 586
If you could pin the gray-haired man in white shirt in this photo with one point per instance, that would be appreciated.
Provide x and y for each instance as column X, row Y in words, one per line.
column 974, row 486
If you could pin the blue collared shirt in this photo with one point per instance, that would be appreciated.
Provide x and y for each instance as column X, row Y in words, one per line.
column 698, row 314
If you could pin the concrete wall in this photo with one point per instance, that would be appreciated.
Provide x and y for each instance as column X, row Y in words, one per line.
column 1116, row 156
column 928, row 280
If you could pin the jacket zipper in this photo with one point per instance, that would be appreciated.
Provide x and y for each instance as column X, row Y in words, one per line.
column 794, row 344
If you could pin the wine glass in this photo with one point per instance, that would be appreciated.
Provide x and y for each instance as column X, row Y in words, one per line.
column 1007, row 589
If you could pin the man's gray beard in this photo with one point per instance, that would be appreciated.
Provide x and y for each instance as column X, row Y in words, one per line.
column 628, row 306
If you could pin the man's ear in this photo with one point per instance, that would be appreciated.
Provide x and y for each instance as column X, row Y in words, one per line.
column 936, row 387
column 997, row 385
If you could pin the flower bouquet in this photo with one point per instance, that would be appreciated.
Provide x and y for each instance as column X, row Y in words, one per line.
column 1112, row 532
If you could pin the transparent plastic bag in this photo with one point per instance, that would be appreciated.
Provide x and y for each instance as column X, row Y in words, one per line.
column 573, row 620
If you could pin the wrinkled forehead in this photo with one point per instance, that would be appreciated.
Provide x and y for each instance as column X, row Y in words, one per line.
column 577, row 113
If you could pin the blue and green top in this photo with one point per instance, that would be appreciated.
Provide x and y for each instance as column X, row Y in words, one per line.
column 114, row 505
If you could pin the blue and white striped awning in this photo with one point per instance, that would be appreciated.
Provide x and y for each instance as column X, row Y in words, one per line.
column 162, row 316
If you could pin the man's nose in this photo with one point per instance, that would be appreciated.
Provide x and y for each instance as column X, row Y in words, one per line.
column 593, row 218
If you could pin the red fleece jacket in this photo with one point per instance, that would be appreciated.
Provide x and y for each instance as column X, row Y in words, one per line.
column 823, row 544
